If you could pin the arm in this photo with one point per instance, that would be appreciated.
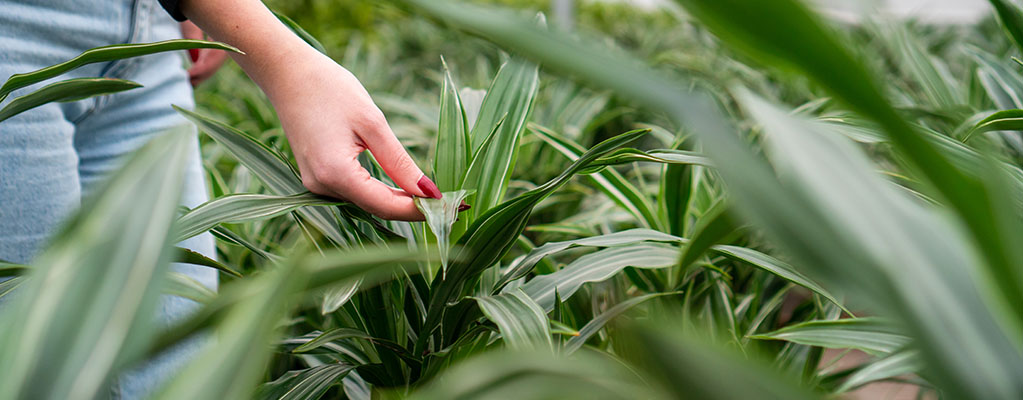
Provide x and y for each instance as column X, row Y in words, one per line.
column 328, row 117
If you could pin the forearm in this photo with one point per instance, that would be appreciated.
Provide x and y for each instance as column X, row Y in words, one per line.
column 268, row 44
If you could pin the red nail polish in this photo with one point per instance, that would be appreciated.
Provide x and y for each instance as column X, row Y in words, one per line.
column 193, row 54
column 428, row 187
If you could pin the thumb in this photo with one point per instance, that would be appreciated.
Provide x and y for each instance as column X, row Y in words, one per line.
column 397, row 163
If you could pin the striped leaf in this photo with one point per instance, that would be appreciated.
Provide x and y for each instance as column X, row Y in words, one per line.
column 509, row 99
column 105, row 54
column 304, row 384
column 872, row 335
column 523, row 324
column 63, row 91
column 598, row 322
column 894, row 365
column 453, row 150
column 522, row 266
column 596, row 267
column 238, row 208
column 609, row 181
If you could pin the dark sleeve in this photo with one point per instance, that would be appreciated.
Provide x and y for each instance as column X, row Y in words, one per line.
column 174, row 8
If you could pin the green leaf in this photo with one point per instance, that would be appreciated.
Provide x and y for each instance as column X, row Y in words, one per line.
column 698, row 369
column 1011, row 17
column 334, row 335
column 662, row 156
column 893, row 365
column 233, row 362
column 612, row 183
column 440, row 214
column 522, row 266
column 715, row 224
column 598, row 322
column 8, row 285
column 184, row 286
column 337, row 295
column 238, row 208
column 302, row 33
column 596, row 267
column 872, row 335
column 1007, row 120
column 10, row 269
column 775, row 266
column 304, row 384
column 509, row 99
column 537, row 376
column 187, row 256
column 523, row 324
column 931, row 75
column 69, row 90
column 85, row 310
column 105, row 54
column 453, row 150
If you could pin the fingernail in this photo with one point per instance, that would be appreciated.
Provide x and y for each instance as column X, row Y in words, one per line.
column 193, row 54
column 428, row 187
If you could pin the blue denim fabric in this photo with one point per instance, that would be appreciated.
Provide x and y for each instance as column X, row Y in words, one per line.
column 53, row 156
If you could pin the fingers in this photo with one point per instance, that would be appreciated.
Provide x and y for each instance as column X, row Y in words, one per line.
column 205, row 62
column 343, row 177
column 395, row 160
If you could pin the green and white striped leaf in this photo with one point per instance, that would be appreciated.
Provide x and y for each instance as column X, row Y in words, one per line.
column 238, row 208
column 509, row 99
column 893, row 365
column 1006, row 120
column 304, row 384
column 104, row 54
column 598, row 322
column 609, row 181
column 63, row 91
column 872, row 335
column 523, row 324
column 453, row 150
column 596, row 267
column 522, row 266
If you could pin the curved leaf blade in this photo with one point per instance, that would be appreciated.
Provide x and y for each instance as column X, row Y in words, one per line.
column 104, row 54
column 63, row 91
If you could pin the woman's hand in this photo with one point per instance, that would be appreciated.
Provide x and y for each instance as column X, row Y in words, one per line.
column 330, row 119
column 327, row 115
column 205, row 62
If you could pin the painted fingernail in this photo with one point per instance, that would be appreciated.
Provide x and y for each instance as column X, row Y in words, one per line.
column 428, row 187
column 193, row 54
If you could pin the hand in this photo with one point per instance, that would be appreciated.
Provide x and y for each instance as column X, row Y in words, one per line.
column 330, row 119
column 327, row 115
column 205, row 62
